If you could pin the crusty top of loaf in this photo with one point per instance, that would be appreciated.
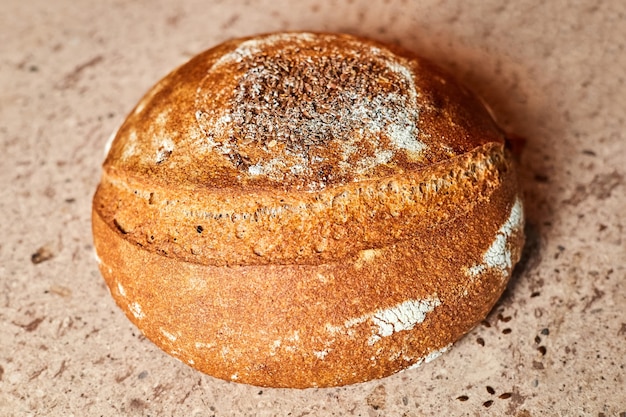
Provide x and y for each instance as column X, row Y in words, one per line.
column 298, row 111
column 297, row 148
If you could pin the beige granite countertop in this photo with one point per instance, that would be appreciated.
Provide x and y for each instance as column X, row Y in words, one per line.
column 553, row 71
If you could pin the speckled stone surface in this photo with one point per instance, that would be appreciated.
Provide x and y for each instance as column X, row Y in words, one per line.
column 552, row 71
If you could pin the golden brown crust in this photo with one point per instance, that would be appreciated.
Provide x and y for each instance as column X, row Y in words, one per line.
column 304, row 210
column 285, row 325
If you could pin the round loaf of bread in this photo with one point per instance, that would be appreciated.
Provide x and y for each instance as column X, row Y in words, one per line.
column 307, row 210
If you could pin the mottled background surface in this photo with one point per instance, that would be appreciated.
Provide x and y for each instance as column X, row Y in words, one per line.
column 554, row 74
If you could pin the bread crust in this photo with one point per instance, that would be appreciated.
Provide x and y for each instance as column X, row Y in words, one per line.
column 333, row 265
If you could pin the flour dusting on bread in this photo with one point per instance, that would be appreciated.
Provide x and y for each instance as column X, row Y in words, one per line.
column 403, row 316
column 387, row 321
column 303, row 106
column 498, row 255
